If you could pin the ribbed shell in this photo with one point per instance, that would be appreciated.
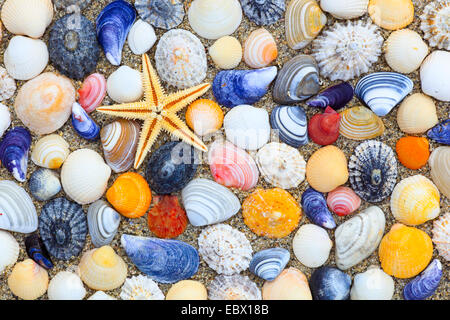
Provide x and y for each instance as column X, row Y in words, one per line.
column 441, row 235
column 435, row 24
column 391, row 15
column 417, row 114
column 235, row 287
column 141, row 288
column 343, row 201
column 312, row 245
column 9, row 248
column 103, row 223
column 359, row 123
column 263, row 12
column 28, row 280
column 165, row 14
column 439, row 162
column 226, row 52
column 260, row 49
column 345, row 9
column 268, row 264
column 50, row 151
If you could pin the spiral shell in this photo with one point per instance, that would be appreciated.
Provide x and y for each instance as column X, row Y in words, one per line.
column 291, row 284
column 28, row 280
column 66, row 286
column 226, row 52
column 441, row 235
column 343, row 201
column 439, row 162
column 50, row 152
column 234, row 287
column 312, row 245
column 359, row 123
column 9, row 248
column 417, row 114
column 141, row 288
column 260, row 49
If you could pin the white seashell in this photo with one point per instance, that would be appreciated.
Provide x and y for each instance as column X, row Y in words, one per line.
column 207, row 202
column 50, row 152
column 18, row 213
column 141, row 37
column 434, row 23
column 312, row 245
column 212, row 19
column 66, row 286
column 358, row 237
column 374, row 284
column 439, row 162
column 7, row 85
column 84, row 176
column 5, row 119
column 100, row 295
column 125, row 85
column 247, row 127
column 441, row 235
column 235, row 287
column 25, row 58
column 141, row 288
column 434, row 77
column 345, row 9
column 103, row 222
column 9, row 250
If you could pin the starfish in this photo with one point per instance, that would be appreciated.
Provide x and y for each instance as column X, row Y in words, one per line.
column 158, row 111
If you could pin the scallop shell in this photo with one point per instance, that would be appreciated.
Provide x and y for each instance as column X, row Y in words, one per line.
column 7, row 87
column 359, row 123
column 28, row 280
column 291, row 125
column 14, row 148
column 141, row 288
column 100, row 295
column 207, row 202
column 212, row 19
column 5, row 119
column 343, row 201
column 226, row 52
column 225, row 249
column 312, row 245
column 66, row 286
column 187, row 290
column 434, row 78
column 260, row 49
column 439, row 162
column 329, row 283
column 345, row 9
column 165, row 14
column 358, row 237
column 268, row 264
column 417, row 114
column 9, row 248
column 346, row 51
column 373, row 284
column 424, row 285
column 92, row 92
column 44, row 184
column 204, row 116
column 263, row 12
column 315, row 207
column 125, row 85
column 441, row 235
column 141, row 37
column 291, row 284
column 234, row 287
column 440, row 132
column 36, row 251
column 413, row 152
column 434, row 24
column 103, row 223
column 391, row 14
column 50, row 152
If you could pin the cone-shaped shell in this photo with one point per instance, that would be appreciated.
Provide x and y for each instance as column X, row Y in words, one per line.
column 439, row 162
column 345, row 9
column 424, row 285
column 28, row 280
column 9, row 248
column 187, row 290
column 226, row 52
column 441, row 235
column 343, row 201
column 291, row 284
column 234, row 287
column 50, row 152
column 374, row 284
column 268, row 264
column 312, row 245
column 417, row 114
column 260, row 49
column 391, row 14
column 66, row 286
column 359, row 123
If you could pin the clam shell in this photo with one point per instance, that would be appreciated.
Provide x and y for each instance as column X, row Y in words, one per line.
column 424, row 285
column 291, row 284
column 345, row 9
column 358, row 237
column 336, row 96
column 315, row 207
column 28, row 280
column 44, row 184
column 226, row 52
column 164, row 14
column 141, row 37
column 441, row 235
column 359, row 123
column 234, row 287
column 433, row 75
column 36, row 251
column 92, row 92
column 83, row 123
column 417, row 114
column 441, row 132
column 204, row 116
column 100, row 295
column 141, row 288
column 103, row 223
column 66, row 286
column 434, row 24
column 329, row 283
column 439, row 162
column 290, row 123
column 187, row 290
column 373, row 284
column 260, row 49
column 268, row 264
column 265, row 12
column 14, row 148
column 391, row 14
column 5, row 119
column 312, row 245
column 9, row 248
column 125, row 85
column 343, row 201
column 50, row 152
column 7, row 90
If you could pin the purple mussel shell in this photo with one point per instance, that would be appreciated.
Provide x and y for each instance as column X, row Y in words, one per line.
column 425, row 284
column 441, row 132
column 315, row 207
column 83, row 123
column 14, row 152
column 335, row 96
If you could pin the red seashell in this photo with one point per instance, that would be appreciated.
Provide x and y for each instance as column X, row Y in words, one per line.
column 323, row 128
column 92, row 92
column 167, row 219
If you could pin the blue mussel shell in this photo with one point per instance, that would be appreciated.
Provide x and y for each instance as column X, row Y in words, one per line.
column 14, row 149
column 83, row 123
column 335, row 97
column 316, row 209
column 425, row 284
column 441, row 132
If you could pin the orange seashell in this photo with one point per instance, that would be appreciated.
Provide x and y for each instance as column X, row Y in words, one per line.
column 204, row 116
column 260, row 49
column 272, row 213
column 405, row 251
column 391, row 14
column 413, row 152
column 291, row 284
column 130, row 195
column 167, row 219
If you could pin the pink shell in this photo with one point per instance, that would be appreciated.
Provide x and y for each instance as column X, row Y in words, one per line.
column 343, row 201
column 92, row 92
column 232, row 166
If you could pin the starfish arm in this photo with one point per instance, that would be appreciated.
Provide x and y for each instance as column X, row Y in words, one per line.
column 153, row 90
column 135, row 111
column 150, row 131
column 177, row 101
column 176, row 127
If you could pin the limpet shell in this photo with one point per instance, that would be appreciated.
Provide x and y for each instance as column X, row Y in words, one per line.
column 434, row 24
column 234, row 287
column 226, row 52
column 417, row 114
column 9, row 248
column 312, row 245
column 165, row 14
column 260, row 49
column 66, row 286
column 263, row 12
column 28, row 280
column 360, row 123
column 141, row 288
column 441, row 235
column 391, row 14
column 439, row 162
column 50, row 152
column 373, row 284
column 291, row 284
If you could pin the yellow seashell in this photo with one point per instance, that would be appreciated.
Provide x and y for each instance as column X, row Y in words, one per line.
column 204, row 116
column 50, row 151
column 291, row 284
column 28, row 280
column 327, row 169
column 187, row 290
column 260, row 49
column 415, row 200
column 405, row 251
column 360, row 123
column 391, row 14
column 226, row 52
column 417, row 114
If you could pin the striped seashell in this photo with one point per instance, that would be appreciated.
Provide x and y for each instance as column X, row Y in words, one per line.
column 234, row 287
column 9, row 248
column 260, row 49
column 345, row 9
column 291, row 124
column 103, row 222
column 441, row 235
column 343, row 201
column 268, row 264
column 92, row 92
column 435, row 24
column 439, row 162
column 141, row 288
column 28, row 280
column 359, row 123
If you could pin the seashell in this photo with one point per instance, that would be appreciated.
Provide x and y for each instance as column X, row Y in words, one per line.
column 373, row 171
column 14, row 149
column 130, row 195
column 17, row 208
column 291, row 284
column 281, row 165
column 291, row 124
column 225, row 249
column 237, row 87
column 85, row 176
column 413, row 152
column 344, row 52
column 67, row 4
column 9, row 247
column 304, row 21
column 359, row 123
column 374, row 284
column 424, row 286
column 440, row 169
column 63, row 228
column 7, row 88
column 441, row 232
column 417, row 114
column 44, row 184
column 405, row 50
column 45, row 103
column 336, row 97
column 347, row 9
column 103, row 223
column 113, row 24
column 207, row 202
column 434, row 26
column 27, row 17
column 315, row 207
column 433, row 75
column 180, row 59
column 343, row 201
column 119, row 140
column 141, row 37
column 415, row 200
column 187, row 290
column 231, row 166
column 5, row 119
column 226, row 52
column 263, row 12
column 272, row 213
column 25, row 58
column 167, row 219
column 297, row 80
column 73, row 46
column 260, row 49
column 36, row 251
column 391, row 14
column 212, row 19
column 125, row 85
column 83, row 123
column 440, row 132
column 141, row 288
column 312, row 245
column 100, row 295
column 268, row 264
column 247, row 127
column 165, row 261
column 326, row 169
column 102, row 269
column 28, row 280
column 323, row 128
column 162, row 14
column 405, row 251
column 329, row 283
column 233, row 287
column 204, row 117
column 66, row 286
column 171, row 167
column 92, row 92
column 50, row 152
column 358, row 237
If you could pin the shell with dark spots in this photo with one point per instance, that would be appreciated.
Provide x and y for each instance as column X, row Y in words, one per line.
column 164, row 14
column 263, row 12
column 44, row 184
column 329, row 283
column 37, row 251
column 14, row 149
